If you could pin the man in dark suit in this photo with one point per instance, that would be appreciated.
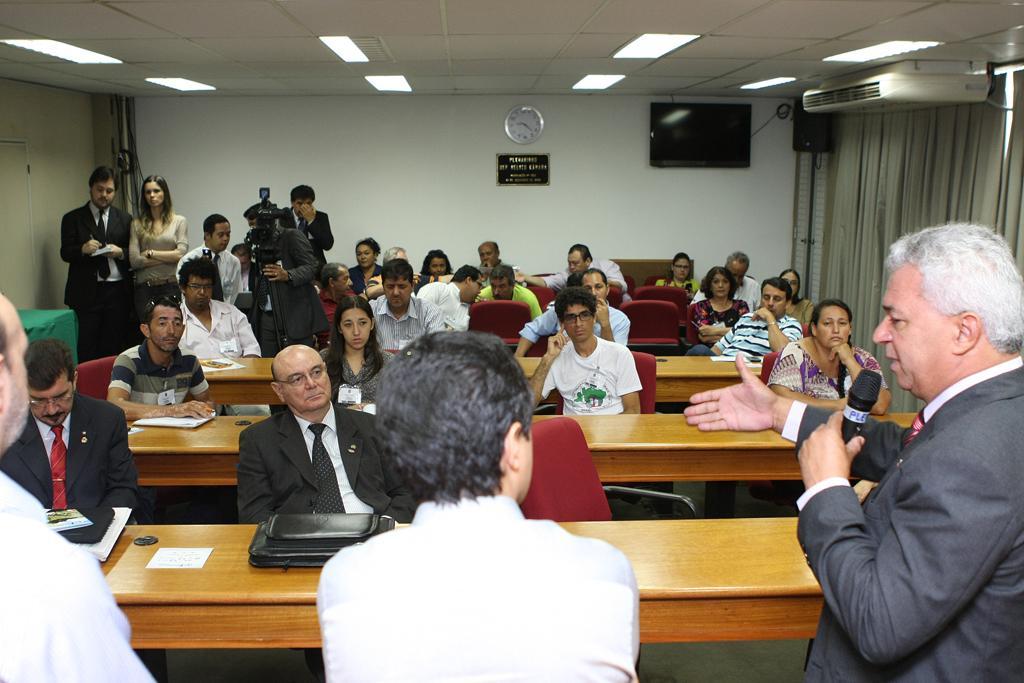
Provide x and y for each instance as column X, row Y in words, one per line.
column 925, row 582
column 314, row 225
column 314, row 457
column 99, row 286
column 73, row 449
column 300, row 314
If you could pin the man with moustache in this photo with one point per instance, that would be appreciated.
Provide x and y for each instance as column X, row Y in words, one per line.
column 401, row 317
column 924, row 582
column 155, row 378
column 315, row 456
column 73, row 450
column 59, row 621
column 99, row 286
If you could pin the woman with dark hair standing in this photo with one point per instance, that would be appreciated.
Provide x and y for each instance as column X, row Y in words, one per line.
column 820, row 369
column 158, row 241
column 718, row 311
column 354, row 359
column 435, row 266
column 798, row 307
column 367, row 251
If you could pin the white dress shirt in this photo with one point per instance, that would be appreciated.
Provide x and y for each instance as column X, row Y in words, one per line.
column 474, row 592
column 796, row 414
column 448, row 297
column 46, row 432
column 229, row 267
column 115, row 272
column 58, row 621
column 228, row 324
column 330, row 439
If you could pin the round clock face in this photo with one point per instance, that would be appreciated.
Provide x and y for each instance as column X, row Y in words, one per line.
column 524, row 124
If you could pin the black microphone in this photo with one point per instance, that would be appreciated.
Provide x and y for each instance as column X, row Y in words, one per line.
column 862, row 395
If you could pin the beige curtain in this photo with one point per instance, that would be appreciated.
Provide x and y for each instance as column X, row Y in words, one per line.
column 897, row 172
column 1011, row 195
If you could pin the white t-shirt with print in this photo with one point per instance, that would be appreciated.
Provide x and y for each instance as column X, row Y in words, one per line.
column 593, row 385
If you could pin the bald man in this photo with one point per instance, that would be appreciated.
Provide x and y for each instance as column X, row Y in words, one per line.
column 314, row 457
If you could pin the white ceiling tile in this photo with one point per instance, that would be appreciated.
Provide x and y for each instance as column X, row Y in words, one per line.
column 499, row 67
column 335, row 69
column 330, row 85
column 294, row 49
column 197, row 72
column 946, row 22
column 826, row 49
column 494, row 82
column 706, row 68
column 669, row 16
column 972, row 51
column 432, row 83
column 659, row 83
column 1010, row 35
column 22, row 56
column 424, row 68
column 215, row 19
column 596, row 45
column 102, row 72
column 507, row 46
column 596, row 66
column 794, row 69
column 561, row 82
column 151, row 50
column 522, row 16
column 416, row 47
column 367, row 17
column 816, row 18
column 6, row 32
column 61, row 21
column 731, row 47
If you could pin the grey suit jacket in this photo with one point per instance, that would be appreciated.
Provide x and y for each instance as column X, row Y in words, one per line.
column 275, row 471
column 100, row 468
column 926, row 581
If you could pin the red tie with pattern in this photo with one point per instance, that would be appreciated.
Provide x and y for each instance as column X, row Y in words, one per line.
column 58, row 468
column 915, row 428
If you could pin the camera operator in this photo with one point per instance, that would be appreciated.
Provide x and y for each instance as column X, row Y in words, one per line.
column 286, row 309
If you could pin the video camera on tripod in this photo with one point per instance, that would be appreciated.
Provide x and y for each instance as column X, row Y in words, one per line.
column 262, row 239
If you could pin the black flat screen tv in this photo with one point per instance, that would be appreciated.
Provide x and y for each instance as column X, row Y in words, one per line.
column 700, row 134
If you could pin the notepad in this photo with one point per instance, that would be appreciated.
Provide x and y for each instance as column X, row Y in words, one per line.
column 218, row 364
column 179, row 558
column 101, row 548
column 178, row 422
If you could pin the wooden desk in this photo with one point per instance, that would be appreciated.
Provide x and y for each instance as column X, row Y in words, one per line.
column 624, row 447
column 700, row 580
column 679, row 377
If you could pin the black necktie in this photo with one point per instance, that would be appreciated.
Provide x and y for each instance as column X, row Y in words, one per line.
column 218, row 288
column 103, row 268
column 328, row 498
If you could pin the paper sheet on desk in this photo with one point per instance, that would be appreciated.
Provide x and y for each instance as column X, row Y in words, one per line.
column 732, row 359
column 218, row 364
column 179, row 422
column 179, row 558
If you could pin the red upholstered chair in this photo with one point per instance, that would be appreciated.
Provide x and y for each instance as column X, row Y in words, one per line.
column 503, row 318
column 94, row 377
column 767, row 363
column 651, row 279
column 653, row 327
column 615, row 297
column 539, row 348
column 630, row 284
column 565, row 486
column 807, row 329
column 691, row 331
column 676, row 295
column 545, row 295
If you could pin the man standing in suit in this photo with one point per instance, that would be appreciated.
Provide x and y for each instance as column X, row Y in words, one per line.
column 73, row 450
column 312, row 224
column 99, row 286
column 925, row 582
column 314, row 457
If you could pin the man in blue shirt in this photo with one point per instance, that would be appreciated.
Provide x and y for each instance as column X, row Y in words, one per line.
column 611, row 324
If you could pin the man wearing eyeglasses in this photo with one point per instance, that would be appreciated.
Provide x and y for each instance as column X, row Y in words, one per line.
column 213, row 329
column 314, row 457
column 73, row 450
column 593, row 375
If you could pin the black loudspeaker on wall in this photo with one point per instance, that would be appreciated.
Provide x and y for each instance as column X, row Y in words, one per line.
column 811, row 132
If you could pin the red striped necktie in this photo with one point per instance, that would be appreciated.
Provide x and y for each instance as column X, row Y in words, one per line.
column 58, row 468
column 915, row 428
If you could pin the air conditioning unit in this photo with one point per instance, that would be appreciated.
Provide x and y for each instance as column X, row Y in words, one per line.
column 896, row 88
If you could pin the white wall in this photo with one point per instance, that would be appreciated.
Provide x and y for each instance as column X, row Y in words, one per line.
column 419, row 171
column 57, row 126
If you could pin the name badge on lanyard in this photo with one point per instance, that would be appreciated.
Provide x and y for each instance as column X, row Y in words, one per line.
column 229, row 347
column 165, row 397
column 349, row 394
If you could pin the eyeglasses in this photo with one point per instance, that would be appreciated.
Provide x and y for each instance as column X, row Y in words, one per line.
column 55, row 400
column 571, row 318
column 298, row 378
column 199, row 288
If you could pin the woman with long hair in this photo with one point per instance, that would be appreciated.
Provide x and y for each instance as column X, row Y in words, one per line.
column 158, row 241
column 799, row 308
column 435, row 266
column 354, row 359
